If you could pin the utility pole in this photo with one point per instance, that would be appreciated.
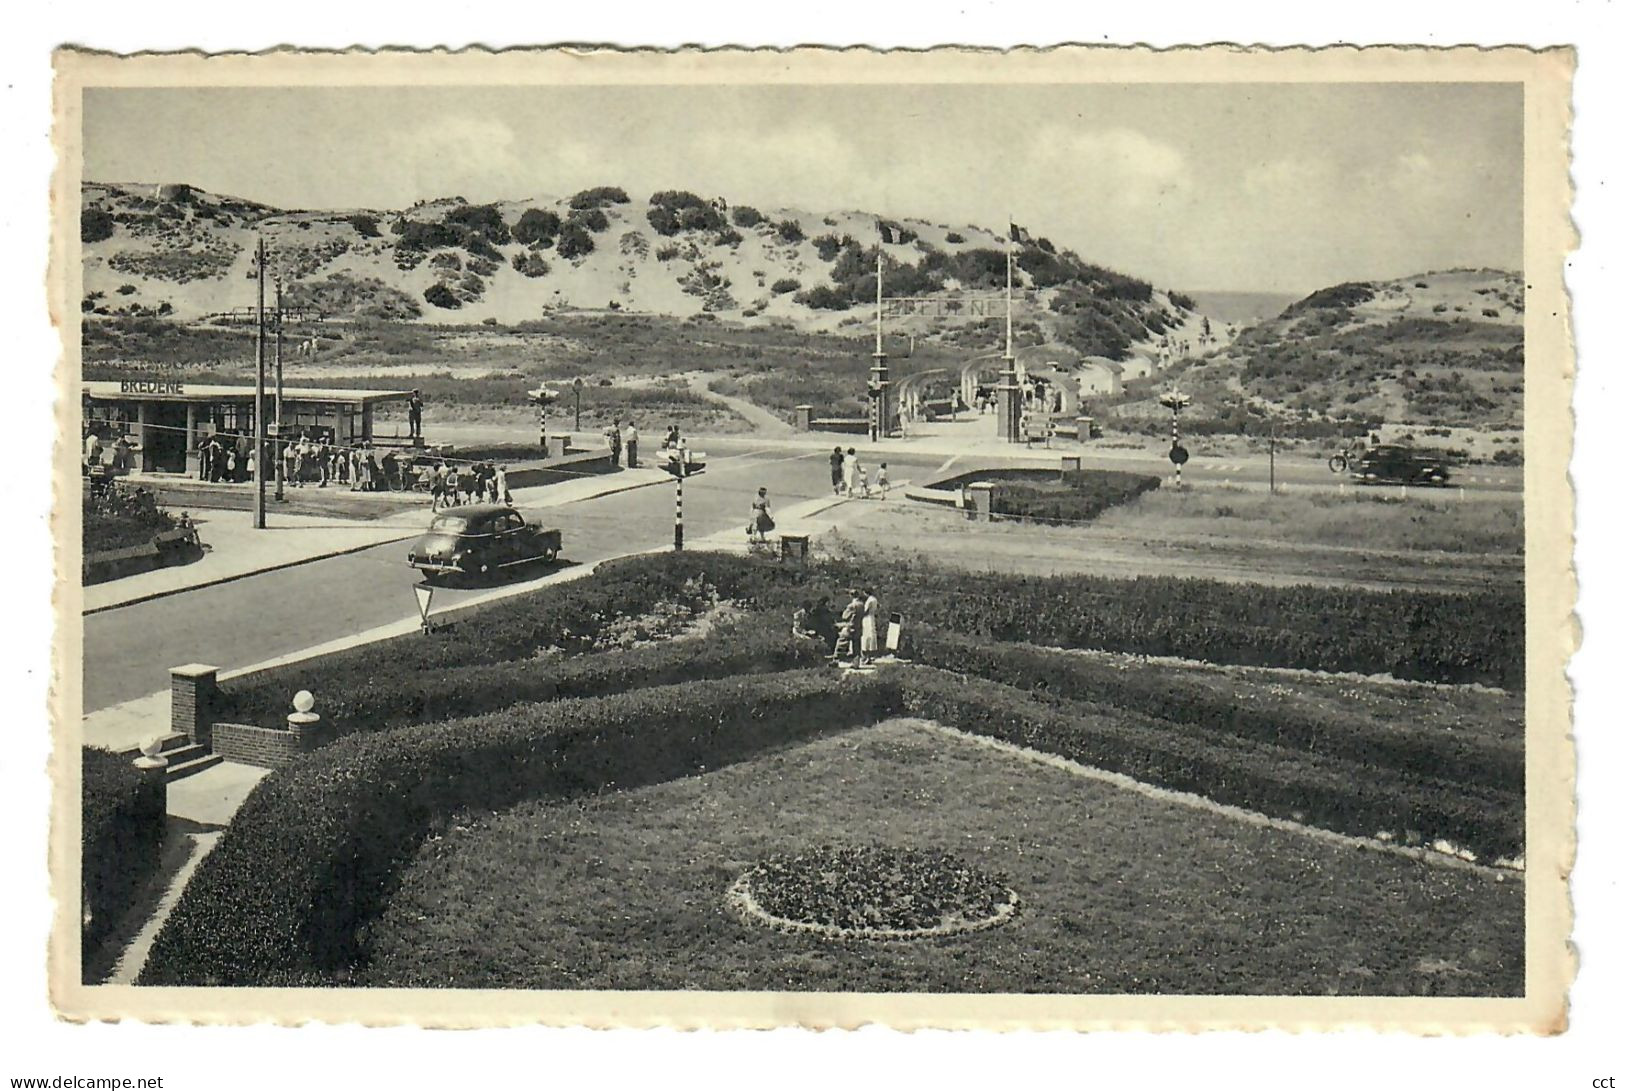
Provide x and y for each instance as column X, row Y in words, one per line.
column 276, row 425
column 577, row 385
column 259, row 385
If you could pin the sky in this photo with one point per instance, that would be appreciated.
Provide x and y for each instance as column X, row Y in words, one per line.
column 1200, row 187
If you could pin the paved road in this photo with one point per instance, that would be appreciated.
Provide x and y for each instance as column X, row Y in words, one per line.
column 129, row 650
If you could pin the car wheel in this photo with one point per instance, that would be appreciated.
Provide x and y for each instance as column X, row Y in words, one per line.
column 548, row 555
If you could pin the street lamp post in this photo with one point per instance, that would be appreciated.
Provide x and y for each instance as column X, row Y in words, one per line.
column 276, row 425
column 259, row 385
column 577, row 385
column 1272, row 455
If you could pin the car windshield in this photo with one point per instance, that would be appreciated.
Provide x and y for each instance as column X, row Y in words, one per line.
column 449, row 524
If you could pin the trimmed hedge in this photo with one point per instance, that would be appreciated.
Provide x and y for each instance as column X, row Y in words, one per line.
column 284, row 898
column 1427, row 636
column 1434, row 637
column 1220, row 706
column 568, row 616
column 1323, row 790
column 121, row 837
column 375, row 702
column 1044, row 496
column 1082, row 495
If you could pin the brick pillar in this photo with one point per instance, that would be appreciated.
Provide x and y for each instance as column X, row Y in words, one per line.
column 304, row 725
column 192, row 692
column 981, row 493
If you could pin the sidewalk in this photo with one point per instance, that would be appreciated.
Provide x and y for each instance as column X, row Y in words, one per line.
column 132, row 722
column 234, row 549
column 237, row 550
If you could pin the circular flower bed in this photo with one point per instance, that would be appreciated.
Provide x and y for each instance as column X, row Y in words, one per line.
column 872, row 893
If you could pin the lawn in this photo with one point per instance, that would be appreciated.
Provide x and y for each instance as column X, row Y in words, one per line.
column 1487, row 524
column 1230, row 535
column 1121, row 892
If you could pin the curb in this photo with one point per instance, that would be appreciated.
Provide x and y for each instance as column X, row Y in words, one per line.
column 234, row 577
column 150, row 596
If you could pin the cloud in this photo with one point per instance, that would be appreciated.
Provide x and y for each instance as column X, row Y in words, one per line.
column 450, row 153
column 1121, row 167
column 803, row 165
column 1287, row 177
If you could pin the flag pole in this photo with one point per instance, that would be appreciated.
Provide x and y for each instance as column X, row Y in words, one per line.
column 879, row 373
column 1009, row 276
column 880, row 280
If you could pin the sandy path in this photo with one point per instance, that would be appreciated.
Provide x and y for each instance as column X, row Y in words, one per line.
column 761, row 420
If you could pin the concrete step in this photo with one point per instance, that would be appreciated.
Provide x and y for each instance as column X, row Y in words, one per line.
column 167, row 745
column 179, row 769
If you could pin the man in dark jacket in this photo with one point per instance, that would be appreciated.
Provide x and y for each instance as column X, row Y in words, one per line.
column 836, row 475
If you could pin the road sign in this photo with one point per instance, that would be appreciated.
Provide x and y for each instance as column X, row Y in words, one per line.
column 425, row 594
column 1178, row 455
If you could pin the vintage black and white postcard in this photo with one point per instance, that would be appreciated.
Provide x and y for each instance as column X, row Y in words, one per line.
column 1048, row 538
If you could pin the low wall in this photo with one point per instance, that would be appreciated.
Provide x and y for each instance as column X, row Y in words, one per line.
column 846, row 426
column 266, row 747
column 166, row 548
column 527, row 475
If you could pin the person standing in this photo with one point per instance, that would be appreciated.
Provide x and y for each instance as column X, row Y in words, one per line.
column 414, row 414
column 869, row 646
column 502, row 485
column 293, row 456
column 630, row 438
column 849, row 471
column 846, row 632
column 203, row 459
column 243, row 446
column 437, row 487
column 761, row 516
column 836, row 477
column 614, row 434
column 882, row 481
column 93, row 449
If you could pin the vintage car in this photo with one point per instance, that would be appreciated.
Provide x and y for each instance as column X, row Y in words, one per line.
column 1393, row 464
column 480, row 540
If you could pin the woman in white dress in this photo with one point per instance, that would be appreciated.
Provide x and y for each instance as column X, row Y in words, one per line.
column 849, row 469
column 869, row 647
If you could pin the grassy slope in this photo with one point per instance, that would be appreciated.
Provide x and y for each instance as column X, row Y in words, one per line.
column 541, row 896
column 1217, row 534
column 1440, row 350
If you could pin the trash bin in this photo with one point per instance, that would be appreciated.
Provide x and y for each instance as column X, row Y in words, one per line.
column 794, row 547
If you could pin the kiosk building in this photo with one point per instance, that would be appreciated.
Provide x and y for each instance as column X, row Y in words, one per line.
column 167, row 419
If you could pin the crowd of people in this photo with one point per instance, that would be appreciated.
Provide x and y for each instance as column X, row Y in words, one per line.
column 451, row 486
column 854, row 634
column 623, row 440
column 849, row 477
column 100, row 453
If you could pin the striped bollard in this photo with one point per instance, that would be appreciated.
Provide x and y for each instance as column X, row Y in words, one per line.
column 1178, row 467
column 677, row 525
